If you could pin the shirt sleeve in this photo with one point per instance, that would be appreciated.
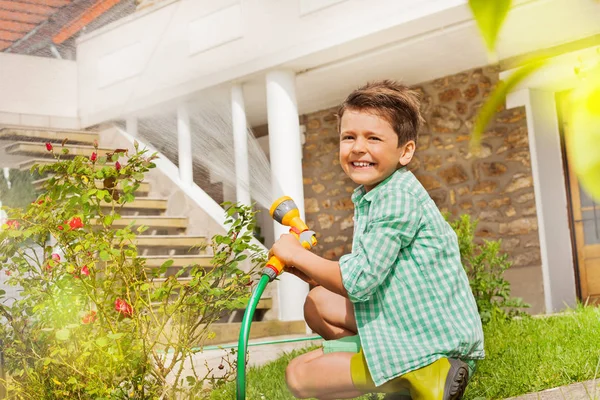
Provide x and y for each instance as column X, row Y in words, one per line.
column 394, row 219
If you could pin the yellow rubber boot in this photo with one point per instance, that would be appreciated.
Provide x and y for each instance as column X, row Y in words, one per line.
column 445, row 379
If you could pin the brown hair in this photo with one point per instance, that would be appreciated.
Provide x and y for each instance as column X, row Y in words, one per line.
column 391, row 100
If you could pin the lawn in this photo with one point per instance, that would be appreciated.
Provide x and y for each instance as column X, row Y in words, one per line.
column 523, row 355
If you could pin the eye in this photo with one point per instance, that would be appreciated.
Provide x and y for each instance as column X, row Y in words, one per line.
column 346, row 137
column 375, row 139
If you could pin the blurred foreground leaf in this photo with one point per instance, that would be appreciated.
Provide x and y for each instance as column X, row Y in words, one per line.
column 584, row 138
column 498, row 96
column 489, row 15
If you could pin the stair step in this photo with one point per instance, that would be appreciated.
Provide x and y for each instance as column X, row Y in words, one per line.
column 153, row 222
column 39, row 150
column 178, row 261
column 26, row 165
column 47, row 135
column 229, row 332
column 143, row 189
column 171, row 241
column 143, row 203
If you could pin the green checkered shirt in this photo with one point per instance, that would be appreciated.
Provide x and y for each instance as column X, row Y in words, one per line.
column 411, row 295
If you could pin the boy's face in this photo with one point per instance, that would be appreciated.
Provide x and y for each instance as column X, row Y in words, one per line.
column 369, row 151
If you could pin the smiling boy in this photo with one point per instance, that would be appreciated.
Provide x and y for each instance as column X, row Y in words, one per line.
column 397, row 314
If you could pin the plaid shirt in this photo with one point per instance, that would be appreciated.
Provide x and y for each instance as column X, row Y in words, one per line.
column 411, row 295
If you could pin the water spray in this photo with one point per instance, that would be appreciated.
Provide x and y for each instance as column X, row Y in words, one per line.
column 284, row 211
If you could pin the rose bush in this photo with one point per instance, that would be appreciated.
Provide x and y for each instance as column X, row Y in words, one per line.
column 92, row 320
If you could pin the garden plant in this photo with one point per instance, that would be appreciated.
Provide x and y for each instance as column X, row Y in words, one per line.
column 92, row 321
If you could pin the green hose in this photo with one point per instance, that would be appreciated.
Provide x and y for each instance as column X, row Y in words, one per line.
column 245, row 334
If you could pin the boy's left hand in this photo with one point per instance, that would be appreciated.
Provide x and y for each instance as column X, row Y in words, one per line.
column 286, row 248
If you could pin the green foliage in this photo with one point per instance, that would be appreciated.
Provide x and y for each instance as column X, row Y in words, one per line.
column 21, row 191
column 490, row 16
column 93, row 321
column 485, row 267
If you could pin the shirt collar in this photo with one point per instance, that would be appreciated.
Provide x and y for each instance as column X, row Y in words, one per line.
column 360, row 193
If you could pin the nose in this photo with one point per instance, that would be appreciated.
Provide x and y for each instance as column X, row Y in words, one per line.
column 359, row 145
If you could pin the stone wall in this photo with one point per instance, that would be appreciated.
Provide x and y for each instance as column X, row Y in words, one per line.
column 495, row 185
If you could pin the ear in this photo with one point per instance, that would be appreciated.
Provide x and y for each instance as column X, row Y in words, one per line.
column 408, row 152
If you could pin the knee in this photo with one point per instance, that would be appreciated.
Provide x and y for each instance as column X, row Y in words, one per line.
column 312, row 306
column 294, row 380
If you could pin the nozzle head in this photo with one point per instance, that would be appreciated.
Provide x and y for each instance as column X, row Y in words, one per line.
column 282, row 207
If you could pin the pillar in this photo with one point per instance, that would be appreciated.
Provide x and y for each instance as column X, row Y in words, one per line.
column 184, row 142
column 286, row 174
column 240, row 143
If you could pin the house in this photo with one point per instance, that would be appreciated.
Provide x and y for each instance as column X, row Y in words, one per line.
column 190, row 77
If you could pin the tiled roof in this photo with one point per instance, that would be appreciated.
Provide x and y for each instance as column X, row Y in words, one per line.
column 28, row 26
column 19, row 18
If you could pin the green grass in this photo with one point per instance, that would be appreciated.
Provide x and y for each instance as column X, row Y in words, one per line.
column 534, row 354
column 522, row 356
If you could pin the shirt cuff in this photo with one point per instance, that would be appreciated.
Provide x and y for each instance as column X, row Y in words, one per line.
column 348, row 269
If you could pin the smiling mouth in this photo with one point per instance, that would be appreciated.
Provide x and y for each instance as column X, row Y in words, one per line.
column 362, row 164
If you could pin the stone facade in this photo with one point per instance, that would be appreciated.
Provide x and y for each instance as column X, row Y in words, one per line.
column 495, row 185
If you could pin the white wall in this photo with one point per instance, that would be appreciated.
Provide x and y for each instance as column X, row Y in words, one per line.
column 38, row 91
column 185, row 46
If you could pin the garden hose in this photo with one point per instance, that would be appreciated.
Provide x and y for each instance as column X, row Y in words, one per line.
column 244, row 335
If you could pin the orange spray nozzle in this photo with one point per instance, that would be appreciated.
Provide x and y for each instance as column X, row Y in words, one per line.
column 285, row 211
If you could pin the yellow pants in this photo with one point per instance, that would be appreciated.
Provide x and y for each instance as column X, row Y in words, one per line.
column 361, row 377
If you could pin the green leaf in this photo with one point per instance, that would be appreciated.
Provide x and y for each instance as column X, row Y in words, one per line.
column 13, row 233
column 489, row 15
column 63, row 334
column 115, row 336
column 583, row 135
column 145, row 287
column 498, row 96
column 102, row 341
column 108, row 219
column 104, row 255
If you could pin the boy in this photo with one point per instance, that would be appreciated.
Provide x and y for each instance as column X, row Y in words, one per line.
column 397, row 314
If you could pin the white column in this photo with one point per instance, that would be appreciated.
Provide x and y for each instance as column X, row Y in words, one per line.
column 286, row 174
column 240, row 143
column 131, row 126
column 184, row 141
column 550, row 196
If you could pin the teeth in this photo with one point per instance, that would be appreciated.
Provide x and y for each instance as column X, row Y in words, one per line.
column 361, row 164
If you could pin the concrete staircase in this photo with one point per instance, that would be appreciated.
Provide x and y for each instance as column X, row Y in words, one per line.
column 166, row 237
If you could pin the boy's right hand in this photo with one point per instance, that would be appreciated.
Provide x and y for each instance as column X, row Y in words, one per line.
column 301, row 275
